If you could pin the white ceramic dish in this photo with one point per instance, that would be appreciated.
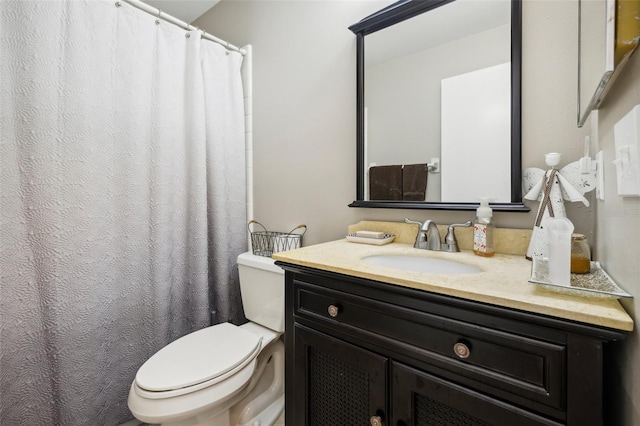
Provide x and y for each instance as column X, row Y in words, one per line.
column 375, row 241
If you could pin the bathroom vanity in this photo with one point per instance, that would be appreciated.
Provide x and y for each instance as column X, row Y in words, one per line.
column 373, row 345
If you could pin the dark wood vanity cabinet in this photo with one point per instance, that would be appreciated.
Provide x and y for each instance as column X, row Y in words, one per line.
column 362, row 352
column 345, row 384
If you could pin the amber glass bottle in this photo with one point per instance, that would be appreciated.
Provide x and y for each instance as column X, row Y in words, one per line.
column 580, row 254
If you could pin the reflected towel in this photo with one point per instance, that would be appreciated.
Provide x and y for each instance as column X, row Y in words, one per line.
column 385, row 183
column 414, row 182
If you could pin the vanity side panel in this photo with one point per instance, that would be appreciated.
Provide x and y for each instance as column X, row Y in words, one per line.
column 292, row 383
column 584, row 381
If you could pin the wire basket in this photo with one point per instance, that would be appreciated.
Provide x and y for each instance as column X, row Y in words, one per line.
column 265, row 243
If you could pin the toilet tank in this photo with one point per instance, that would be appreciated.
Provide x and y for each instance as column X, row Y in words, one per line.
column 262, row 290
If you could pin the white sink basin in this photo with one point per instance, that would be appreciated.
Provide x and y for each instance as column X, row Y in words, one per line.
column 422, row 264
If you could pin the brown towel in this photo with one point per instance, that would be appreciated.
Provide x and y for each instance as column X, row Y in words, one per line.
column 414, row 182
column 385, row 183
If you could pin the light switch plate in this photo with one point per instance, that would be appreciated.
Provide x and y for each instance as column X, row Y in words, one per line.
column 627, row 153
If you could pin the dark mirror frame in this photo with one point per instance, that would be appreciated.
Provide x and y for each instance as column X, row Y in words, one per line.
column 398, row 12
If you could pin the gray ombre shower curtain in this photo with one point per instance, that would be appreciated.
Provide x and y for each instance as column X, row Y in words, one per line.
column 122, row 183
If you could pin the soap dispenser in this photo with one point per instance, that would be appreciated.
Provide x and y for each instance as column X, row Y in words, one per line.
column 483, row 229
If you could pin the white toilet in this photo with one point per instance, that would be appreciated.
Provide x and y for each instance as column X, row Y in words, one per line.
column 223, row 375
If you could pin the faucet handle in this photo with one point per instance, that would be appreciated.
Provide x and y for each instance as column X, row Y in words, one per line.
column 450, row 242
column 415, row 222
column 421, row 238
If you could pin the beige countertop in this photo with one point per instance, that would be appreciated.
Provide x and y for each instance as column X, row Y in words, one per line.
column 503, row 282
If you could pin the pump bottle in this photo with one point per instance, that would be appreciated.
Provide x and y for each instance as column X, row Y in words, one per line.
column 483, row 229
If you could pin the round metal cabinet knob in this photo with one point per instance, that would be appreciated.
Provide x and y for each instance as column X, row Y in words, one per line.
column 461, row 350
column 333, row 311
column 375, row 421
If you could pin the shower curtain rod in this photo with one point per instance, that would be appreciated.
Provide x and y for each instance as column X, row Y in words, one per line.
column 175, row 21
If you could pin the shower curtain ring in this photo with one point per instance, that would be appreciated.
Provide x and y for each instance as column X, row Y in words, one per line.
column 118, row 4
column 159, row 17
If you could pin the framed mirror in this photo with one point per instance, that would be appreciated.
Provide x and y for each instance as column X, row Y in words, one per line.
column 608, row 34
column 438, row 105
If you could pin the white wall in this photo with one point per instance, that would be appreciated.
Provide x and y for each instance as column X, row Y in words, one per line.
column 304, row 108
column 618, row 241
column 304, row 131
column 549, row 93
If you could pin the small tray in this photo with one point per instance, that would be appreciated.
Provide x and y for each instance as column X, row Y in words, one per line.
column 594, row 284
column 375, row 241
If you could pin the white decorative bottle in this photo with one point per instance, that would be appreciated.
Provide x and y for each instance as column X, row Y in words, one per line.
column 483, row 229
column 559, row 230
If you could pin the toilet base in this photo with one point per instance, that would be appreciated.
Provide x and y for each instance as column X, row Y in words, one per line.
column 268, row 416
column 264, row 403
column 221, row 419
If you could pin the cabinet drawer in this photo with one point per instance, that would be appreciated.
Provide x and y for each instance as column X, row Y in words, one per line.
column 513, row 366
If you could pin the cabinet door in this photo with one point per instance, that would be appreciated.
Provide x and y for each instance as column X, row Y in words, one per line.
column 421, row 399
column 337, row 383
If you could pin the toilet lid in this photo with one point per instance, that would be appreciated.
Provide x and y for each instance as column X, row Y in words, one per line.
column 198, row 357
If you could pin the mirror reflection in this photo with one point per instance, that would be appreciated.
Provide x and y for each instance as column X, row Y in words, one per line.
column 437, row 110
column 609, row 33
column 437, row 91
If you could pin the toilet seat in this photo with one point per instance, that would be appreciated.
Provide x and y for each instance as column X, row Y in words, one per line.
column 196, row 361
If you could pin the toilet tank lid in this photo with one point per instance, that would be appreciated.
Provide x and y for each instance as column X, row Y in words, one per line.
column 198, row 357
column 259, row 262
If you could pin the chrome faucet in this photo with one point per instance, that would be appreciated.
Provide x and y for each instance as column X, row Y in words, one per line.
column 428, row 237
